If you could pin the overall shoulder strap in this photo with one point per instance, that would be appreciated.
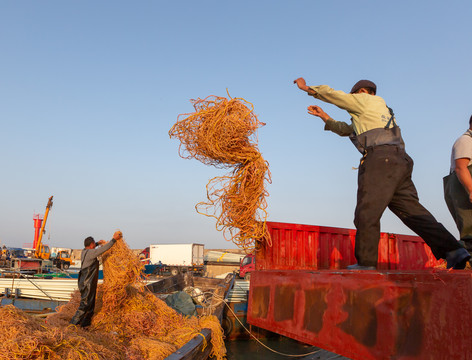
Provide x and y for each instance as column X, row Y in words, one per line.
column 392, row 120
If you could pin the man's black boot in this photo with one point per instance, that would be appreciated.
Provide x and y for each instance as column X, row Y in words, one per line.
column 457, row 259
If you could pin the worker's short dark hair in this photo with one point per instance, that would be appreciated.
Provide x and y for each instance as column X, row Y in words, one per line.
column 470, row 120
column 88, row 241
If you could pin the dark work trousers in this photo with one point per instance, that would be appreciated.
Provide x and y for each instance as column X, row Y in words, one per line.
column 384, row 180
column 460, row 207
column 88, row 279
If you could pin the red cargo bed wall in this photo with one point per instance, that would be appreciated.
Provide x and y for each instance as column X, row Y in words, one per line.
column 305, row 247
column 368, row 315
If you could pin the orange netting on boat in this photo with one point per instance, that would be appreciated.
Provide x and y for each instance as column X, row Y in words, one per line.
column 129, row 322
column 222, row 133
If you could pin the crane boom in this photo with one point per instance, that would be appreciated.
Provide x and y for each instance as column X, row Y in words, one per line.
column 39, row 245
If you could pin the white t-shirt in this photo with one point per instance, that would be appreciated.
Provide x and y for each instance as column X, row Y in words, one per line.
column 462, row 148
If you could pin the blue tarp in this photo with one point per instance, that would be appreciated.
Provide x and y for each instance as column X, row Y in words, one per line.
column 182, row 303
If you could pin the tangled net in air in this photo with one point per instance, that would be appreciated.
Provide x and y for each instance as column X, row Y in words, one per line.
column 222, row 133
column 129, row 322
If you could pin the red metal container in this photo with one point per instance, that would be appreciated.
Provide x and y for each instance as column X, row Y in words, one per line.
column 404, row 310
column 309, row 247
column 26, row 264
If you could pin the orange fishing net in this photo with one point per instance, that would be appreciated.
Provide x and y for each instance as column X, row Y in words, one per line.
column 222, row 133
column 129, row 322
column 25, row 337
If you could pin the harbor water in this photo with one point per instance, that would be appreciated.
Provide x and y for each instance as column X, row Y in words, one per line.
column 251, row 349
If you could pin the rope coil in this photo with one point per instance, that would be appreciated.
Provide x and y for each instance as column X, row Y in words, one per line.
column 222, row 133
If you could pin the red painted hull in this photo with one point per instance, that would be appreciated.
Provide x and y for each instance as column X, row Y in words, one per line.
column 407, row 309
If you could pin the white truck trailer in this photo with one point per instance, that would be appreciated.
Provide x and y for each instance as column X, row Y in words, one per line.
column 178, row 258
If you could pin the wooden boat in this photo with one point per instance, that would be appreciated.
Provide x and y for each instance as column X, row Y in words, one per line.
column 197, row 348
column 50, row 293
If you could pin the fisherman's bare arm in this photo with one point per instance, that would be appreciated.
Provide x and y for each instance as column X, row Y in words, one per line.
column 463, row 175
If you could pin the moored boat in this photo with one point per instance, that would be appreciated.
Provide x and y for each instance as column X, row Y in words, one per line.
column 210, row 291
column 215, row 291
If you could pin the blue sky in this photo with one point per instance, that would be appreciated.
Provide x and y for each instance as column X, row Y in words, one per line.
column 90, row 90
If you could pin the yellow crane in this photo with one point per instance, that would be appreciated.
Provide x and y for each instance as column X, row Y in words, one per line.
column 42, row 251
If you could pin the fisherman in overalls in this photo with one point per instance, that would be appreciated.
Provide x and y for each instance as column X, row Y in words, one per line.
column 384, row 178
column 88, row 278
column 458, row 186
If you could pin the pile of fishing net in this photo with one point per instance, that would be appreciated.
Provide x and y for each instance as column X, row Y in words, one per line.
column 25, row 337
column 222, row 133
column 129, row 322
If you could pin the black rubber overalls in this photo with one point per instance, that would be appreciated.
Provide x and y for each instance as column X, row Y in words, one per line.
column 384, row 180
column 88, row 279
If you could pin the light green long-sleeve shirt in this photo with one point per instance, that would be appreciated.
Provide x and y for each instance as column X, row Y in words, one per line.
column 367, row 111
